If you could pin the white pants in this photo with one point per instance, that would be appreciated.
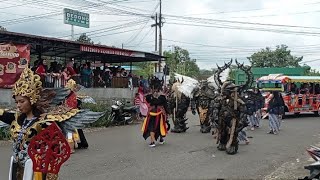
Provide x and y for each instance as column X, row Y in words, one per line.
column 28, row 171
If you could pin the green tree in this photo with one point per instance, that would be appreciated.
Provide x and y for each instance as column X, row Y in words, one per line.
column 179, row 61
column 232, row 72
column 3, row 28
column 280, row 57
column 146, row 69
column 85, row 39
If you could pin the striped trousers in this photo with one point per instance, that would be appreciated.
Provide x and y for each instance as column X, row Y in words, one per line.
column 242, row 136
column 253, row 120
column 258, row 116
column 274, row 122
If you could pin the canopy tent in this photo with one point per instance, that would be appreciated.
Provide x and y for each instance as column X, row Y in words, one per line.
column 279, row 78
column 303, row 79
column 272, row 78
column 54, row 47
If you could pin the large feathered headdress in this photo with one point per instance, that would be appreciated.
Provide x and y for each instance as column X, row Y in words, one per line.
column 28, row 85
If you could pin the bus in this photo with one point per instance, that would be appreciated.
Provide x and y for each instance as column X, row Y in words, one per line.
column 301, row 94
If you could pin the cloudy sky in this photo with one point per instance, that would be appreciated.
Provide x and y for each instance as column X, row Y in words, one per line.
column 212, row 30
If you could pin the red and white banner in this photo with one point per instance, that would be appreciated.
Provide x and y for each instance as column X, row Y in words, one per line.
column 13, row 59
column 103, row 50
column 113, row 51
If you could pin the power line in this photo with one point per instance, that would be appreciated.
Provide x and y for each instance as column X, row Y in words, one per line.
column 237, row 22
column 134, row 37
column 85, row 8
column 245, row 10
column 146, row 34
column 251, row 28
column 108, row 29
column 199, row 44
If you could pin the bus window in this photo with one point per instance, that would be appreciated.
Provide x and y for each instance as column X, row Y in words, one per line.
column 304, row 88
column 317, row 89
column 293, row 88
column 311, row 88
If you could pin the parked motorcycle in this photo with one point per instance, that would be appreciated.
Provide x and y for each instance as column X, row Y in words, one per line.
column 120, row 114
column 314, row 168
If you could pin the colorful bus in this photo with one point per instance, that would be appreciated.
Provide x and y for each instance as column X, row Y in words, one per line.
column 300, row 93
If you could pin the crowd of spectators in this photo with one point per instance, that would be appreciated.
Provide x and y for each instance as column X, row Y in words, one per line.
column 56, row 75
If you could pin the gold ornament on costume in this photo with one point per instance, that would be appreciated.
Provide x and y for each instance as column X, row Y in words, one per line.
column 72, row 85
column 28, row 85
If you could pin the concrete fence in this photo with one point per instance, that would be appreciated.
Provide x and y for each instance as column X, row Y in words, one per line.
column 99, row 94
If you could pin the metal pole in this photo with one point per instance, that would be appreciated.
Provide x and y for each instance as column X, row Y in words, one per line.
column 156, row 38
column 160, row 35
column 72, row 32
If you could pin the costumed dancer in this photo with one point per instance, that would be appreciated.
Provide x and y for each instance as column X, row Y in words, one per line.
column 251, row 105
column 259, row 105
column 203, row 102
column 231, row 109
column 38, row 111
column 155, row 124
column 275, row 107
column 179, row 99
column 76, row 138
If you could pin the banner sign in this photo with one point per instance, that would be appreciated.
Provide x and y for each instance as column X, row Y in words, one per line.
column 105, row 50
column 13, row 59
column 76, row 18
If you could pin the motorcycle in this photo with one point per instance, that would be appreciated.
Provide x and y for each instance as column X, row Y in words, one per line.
column 121, row 115
column 314, row 168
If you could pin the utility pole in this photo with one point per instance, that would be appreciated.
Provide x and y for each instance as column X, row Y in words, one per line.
column 156, row 31
column 156, row 37
column 160, row 34
column 72, row 33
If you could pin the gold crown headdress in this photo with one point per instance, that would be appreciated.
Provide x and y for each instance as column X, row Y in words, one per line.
column 28, row 85
column 72, row 85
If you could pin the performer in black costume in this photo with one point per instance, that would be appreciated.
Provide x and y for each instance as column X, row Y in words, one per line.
column 231, row 109
column 155, row 124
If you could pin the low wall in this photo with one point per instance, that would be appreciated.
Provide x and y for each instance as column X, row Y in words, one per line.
column 99, row 94
column 6, row 99
column 108, row 94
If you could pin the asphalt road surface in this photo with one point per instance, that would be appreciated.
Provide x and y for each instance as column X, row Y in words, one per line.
column 122, row 153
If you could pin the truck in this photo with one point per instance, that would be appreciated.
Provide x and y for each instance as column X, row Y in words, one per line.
column 240, row 77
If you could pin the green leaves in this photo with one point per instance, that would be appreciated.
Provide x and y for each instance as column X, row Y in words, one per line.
column 280, row 57
column 3, row 28
column 85, row 39
column 179, row 61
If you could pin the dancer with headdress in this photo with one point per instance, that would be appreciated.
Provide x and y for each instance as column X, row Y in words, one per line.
column 231, row 109
column 179, row 100
column 155, row 124
column 34, row 124
column 76, row 138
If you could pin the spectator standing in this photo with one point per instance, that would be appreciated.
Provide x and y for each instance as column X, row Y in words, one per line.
column 42, row 71
column 86, row 75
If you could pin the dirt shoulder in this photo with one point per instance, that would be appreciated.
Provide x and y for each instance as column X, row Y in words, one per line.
column 293, row 169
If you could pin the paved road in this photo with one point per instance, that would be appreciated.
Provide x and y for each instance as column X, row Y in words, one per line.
column 121, row 153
